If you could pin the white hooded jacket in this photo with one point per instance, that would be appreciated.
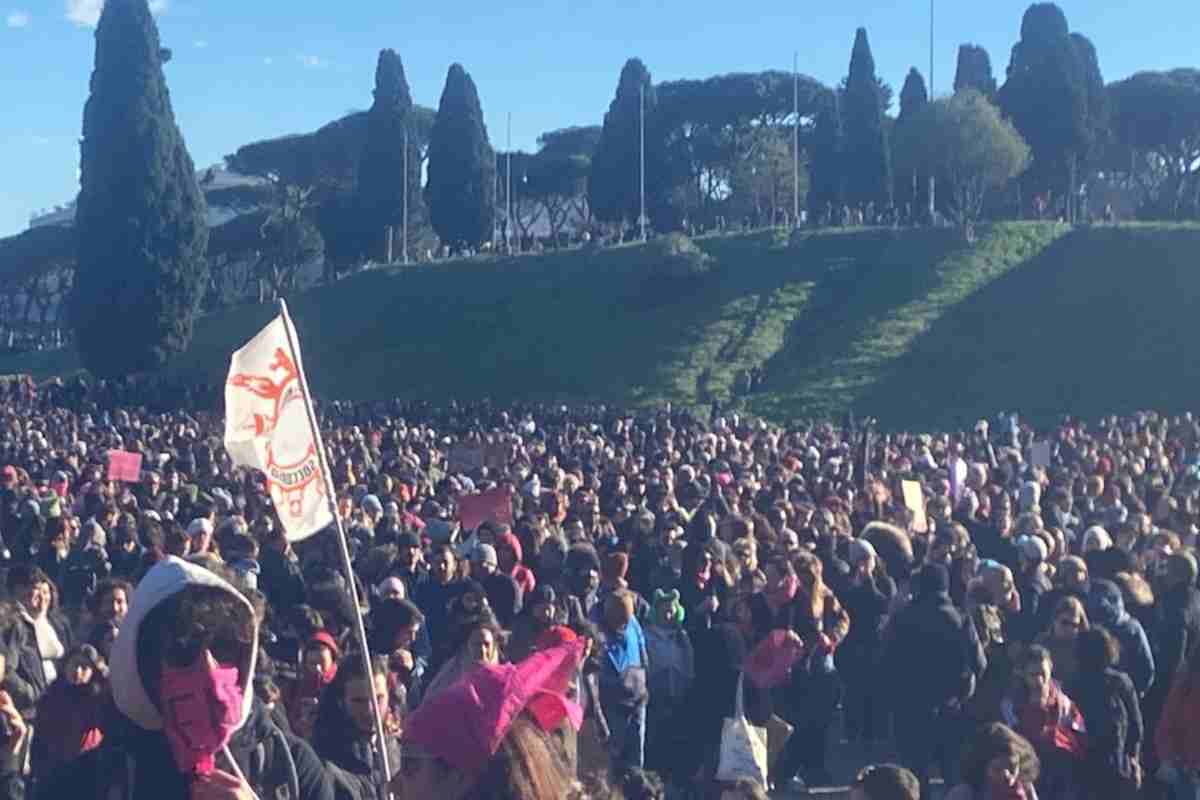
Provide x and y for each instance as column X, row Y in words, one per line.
column 163, row 581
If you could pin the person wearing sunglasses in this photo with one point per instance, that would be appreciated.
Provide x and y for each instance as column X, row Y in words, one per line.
column 188, row 725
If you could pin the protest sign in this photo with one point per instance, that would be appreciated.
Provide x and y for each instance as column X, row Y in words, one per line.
column 495, row 505
column 1039, row 454
column 958, row 478
column 914, row 499
column 124, row 466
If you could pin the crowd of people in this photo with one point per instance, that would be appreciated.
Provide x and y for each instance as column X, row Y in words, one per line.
column 1023, row 625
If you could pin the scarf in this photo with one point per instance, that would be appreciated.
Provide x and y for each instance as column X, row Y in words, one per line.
column 311, row 684
column 1056, row 726
column 782, row 594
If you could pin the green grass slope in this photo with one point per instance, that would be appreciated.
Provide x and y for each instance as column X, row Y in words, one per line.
column 911, row 326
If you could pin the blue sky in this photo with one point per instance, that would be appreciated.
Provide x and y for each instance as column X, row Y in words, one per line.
column 255, row 69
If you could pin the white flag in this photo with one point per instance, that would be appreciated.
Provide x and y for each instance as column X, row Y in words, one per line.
column 267, row 427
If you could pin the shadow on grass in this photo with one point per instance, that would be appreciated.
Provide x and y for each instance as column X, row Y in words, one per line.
column 1102, row 321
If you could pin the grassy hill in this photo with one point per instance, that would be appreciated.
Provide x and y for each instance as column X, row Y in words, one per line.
column 914, row 327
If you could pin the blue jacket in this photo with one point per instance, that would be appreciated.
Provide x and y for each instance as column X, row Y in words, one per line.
column 1106, row 606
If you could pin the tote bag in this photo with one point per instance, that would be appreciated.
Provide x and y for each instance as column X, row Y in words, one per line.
column 743, row 746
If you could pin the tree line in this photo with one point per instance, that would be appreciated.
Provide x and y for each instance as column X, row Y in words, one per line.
column 715, row 151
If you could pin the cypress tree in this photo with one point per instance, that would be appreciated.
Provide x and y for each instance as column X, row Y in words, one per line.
column 975, row 71
column 1056, row 70
column 381, row 179
column 913, row 96
column 825, row 173
column 913, row 99
column 615, row 174
column 868, row 171
column 460, row 187
column 140, row 215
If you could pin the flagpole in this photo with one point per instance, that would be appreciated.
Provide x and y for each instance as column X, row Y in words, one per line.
column 795, row 141
column 642, row 156
column 404, row 241
column 359, row 630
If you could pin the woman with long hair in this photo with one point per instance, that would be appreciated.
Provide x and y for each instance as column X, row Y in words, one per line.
column 998, row 764
column 797, row 600
column 477, row 640
column 486, row 736
column 1066, row 623
column 1113, row 717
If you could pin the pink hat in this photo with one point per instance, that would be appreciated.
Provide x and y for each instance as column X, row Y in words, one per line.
column 465, row 723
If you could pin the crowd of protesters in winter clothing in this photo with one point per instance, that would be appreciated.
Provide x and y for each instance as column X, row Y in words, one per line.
column 1028, row 628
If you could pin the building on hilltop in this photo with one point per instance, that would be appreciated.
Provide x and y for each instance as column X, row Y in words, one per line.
column 229, row 195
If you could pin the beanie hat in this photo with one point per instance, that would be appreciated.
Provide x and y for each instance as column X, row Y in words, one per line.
column 676, row 612
column 1096, row 538
column 466, row 723
column 199, row 527
column 860, row 551
column 554, row 636
column 326, row 638
column 371, row 504
column 486, row 554
column 392, row 584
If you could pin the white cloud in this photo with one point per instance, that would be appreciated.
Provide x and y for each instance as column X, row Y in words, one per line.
column 19, row 19
column 200, row 44
column 87, row 12
column 313, row 62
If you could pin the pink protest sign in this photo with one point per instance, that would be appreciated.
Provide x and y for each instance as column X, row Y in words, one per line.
column 124, row 466
column 474, row 510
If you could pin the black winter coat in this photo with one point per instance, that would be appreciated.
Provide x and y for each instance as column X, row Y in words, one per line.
column 932, row 654
column 1113, row 717
column 136, row 764
column 26, row 675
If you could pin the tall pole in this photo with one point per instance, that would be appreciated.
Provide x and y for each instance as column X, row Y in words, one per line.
column 795, row 141
column 932, row 179
column 495, row 192
column 404, row 217
column 642, row 155
column 931, row 49
column 381, row 755
column 508, row 189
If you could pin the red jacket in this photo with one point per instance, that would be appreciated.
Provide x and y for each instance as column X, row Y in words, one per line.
column 1178, row 736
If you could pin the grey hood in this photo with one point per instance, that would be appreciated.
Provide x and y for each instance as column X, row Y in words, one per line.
column 163, row 581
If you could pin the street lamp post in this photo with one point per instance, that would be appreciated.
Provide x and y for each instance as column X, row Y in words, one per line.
column 508, row 190
column 642, row 155
column 795, row 141
column 404, row 214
